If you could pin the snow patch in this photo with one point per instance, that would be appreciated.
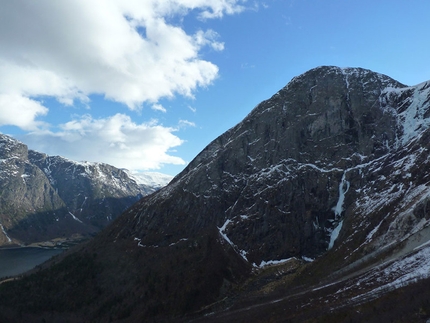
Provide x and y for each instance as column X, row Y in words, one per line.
column 222, row 233
column 411, row 268
column 152, row 179
column 74, row 217
column 413, row 120
column 342, row 191
column 335, row 234
column 242, row 253
column 307, row 259
column 273, row 262
column 174, row 243
column 338, row 209
column 4, row 232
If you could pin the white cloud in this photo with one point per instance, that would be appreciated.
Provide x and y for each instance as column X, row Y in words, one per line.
column 192, row 108
column 126, row 51
column 208, row 37
column 216, row 8
column 158, row 107
column 186, row 123
column 20, row 111
column 123, row 49
column 115, row 140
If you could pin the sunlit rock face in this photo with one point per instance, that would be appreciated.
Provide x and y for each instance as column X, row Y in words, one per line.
column 94, row 192
column 46, row 197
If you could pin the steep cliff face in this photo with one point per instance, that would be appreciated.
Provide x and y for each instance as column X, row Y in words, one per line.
column 331, row 168
column 46, row 197
column 272, row 184
column 24, row 190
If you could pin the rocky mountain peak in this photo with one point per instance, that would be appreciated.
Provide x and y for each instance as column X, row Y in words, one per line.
column 12, row 148
column 282, row 174
column 325, row 114
column 281, row 171
column 343, row 77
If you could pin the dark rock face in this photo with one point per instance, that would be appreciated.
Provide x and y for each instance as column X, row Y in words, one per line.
column 24, row 189
column 44, row 197
column 271, row 182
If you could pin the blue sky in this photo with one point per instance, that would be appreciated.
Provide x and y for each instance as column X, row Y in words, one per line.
column 146, row 85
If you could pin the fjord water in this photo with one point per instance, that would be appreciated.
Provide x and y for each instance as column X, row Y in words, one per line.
column 16, row 261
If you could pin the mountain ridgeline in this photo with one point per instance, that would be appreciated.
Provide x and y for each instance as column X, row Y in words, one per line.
column 50, row 197
column 317, row 200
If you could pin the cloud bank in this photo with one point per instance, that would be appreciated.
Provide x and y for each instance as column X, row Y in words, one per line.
column 128, row 51
column 116, row 140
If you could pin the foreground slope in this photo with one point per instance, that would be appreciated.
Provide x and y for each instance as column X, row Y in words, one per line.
column 332, row 168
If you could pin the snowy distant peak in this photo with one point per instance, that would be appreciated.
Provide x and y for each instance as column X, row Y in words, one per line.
column 86, row 168
column 148, row 182
column 108, row 178
column 153, row 179
column 53, row 160
column 62, row 197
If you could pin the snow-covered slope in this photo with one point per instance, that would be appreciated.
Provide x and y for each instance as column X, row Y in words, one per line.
column 150, row 181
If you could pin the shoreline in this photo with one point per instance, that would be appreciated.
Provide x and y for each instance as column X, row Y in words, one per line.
column 18, row 261
column 10, row 279
column 31, row 246
column 59, row 243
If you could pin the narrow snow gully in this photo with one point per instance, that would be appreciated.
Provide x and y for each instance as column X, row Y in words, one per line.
column 5, row 233
column 343, row 189
column 221, row 230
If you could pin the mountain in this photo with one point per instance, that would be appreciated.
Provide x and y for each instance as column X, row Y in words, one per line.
column 52, row 198
column 313, row 208
column 149, row 182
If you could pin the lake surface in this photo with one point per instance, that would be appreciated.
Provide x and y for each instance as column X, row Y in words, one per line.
column 19, row 260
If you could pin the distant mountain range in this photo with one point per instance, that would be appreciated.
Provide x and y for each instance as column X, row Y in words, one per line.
column 50, row 198
column 314, row 208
